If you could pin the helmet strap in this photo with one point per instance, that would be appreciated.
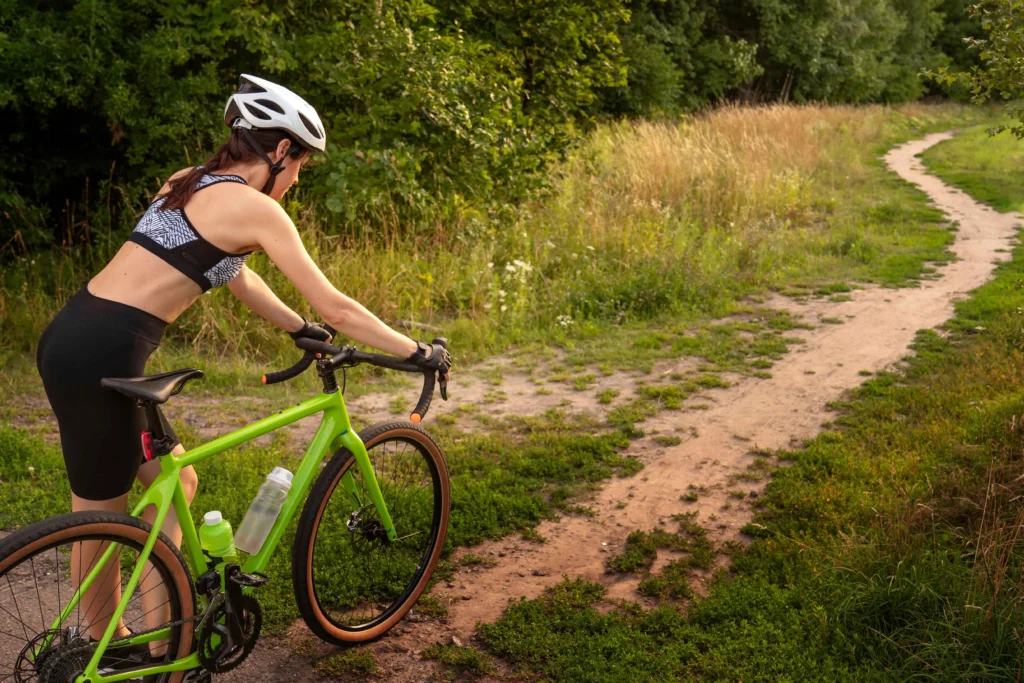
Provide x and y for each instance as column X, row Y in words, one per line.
column 275, row 167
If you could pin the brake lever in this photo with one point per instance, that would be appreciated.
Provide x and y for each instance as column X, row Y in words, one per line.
column 442, row 381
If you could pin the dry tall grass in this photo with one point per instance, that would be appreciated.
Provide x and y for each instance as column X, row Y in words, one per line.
column 644, row 218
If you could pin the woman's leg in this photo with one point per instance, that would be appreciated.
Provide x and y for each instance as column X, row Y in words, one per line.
column 100, row 600
column 154, row 597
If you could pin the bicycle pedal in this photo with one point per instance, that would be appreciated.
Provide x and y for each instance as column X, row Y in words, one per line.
column 197, row 676
column 254, row 580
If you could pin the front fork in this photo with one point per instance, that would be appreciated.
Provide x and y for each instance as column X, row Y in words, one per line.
column 355, row 446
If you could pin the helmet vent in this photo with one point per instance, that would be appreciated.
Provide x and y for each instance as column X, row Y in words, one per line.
column 271, row 105
column 258, row 113
column 250, row 87
column 310, row 127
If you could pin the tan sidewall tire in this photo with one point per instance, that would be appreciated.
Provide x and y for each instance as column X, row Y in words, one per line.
column 138, row 534
column 399, row 430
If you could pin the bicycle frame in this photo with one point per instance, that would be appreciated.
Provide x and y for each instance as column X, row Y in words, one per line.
column 335, row 432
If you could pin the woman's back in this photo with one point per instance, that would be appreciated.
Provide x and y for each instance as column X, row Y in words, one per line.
column 174, row 255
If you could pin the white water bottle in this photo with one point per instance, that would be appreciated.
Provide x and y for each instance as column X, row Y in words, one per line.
column 263, row 511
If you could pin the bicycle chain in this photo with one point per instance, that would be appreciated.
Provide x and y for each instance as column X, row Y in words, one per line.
column 91, row 647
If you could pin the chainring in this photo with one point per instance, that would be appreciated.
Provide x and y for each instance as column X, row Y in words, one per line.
column 219, row 662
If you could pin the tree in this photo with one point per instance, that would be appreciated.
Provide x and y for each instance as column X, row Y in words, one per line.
column 677, row 59
column 1001, row 74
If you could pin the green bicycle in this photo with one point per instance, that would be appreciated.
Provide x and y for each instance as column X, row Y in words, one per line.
column 368, row 538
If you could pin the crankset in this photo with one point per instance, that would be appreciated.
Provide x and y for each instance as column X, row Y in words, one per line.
column 230, row 630
column 220, row 647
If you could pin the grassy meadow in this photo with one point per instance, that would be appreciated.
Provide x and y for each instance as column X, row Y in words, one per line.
column 880, row 539
column 889, row 549
column 644, row 221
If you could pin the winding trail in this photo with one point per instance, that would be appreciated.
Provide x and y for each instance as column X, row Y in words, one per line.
column 879, row 325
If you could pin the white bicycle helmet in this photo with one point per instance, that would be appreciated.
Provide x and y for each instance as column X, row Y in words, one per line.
column 260, row 104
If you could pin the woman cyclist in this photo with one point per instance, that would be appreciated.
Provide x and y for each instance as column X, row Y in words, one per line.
column 195, row 236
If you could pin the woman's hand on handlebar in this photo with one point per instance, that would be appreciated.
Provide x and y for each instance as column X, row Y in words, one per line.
column 311, row 331
column 433, row 356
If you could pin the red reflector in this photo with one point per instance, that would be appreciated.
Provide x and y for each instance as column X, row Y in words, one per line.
column 147, row 445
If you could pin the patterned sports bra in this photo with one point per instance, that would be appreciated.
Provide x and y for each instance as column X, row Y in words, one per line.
column 170, row 235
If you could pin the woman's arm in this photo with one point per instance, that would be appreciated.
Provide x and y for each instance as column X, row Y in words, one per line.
column 277, row 236
column 252, row 291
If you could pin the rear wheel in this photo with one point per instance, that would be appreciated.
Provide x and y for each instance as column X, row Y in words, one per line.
column 351, row 583
column 37, row 582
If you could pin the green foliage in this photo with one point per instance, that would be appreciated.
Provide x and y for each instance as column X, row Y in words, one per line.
column 561, row 52
column 679, row 58
column 860, row 51
column 420, row 120
column 437, row 112
column 1001, row 74
column 33, row 482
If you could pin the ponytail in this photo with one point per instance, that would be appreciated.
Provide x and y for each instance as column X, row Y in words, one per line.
column 236, row 150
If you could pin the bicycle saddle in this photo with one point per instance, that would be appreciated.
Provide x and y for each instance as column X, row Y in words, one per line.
column 154, row 388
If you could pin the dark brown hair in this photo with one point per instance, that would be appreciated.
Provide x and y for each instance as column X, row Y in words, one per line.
column 235, row 150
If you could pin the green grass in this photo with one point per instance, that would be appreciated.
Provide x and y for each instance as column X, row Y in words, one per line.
column 357, row 663
column 989, row 168
column 888, row 549
column 459, row 659
column 504, row 478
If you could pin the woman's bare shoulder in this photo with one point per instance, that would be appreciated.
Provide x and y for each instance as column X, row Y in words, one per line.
column 174, row 176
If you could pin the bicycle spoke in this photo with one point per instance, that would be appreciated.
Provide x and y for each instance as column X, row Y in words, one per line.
column 15, row 600
column 56, row 557
column 79, row 582
column 39, row 599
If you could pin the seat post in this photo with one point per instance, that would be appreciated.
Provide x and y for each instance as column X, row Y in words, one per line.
column 162, row 444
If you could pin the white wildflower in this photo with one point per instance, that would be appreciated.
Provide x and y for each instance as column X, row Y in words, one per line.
column 504, row 308
column 490, row 265
column 590, row 248
column 510, row 268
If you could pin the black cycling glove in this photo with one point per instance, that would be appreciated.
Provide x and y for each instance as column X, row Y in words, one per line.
column 439, row 358
column 311, row 331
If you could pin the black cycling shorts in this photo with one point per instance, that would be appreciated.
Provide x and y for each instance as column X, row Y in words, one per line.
column 100, row 429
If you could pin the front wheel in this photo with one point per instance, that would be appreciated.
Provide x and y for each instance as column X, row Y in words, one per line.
column 352, row 584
